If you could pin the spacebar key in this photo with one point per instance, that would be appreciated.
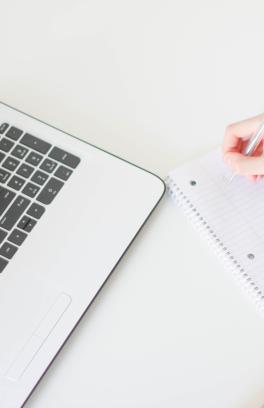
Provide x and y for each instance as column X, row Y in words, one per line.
column 6, row 196
column 14, row 212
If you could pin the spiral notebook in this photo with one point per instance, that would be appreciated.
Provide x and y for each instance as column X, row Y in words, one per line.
column 230, row 215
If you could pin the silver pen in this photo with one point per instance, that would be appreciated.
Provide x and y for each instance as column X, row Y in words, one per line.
column 252, row 144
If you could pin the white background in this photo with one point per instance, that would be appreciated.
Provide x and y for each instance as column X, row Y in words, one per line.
column 156, row 82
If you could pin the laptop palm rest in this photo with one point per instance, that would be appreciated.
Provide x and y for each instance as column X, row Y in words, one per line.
column 35, row 342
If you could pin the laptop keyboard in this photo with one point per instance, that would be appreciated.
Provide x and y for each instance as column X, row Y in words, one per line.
column 32, row 172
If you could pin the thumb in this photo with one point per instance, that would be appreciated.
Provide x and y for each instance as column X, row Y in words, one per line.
column 245, row 165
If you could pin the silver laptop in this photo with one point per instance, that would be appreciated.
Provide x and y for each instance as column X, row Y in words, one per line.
column 68, row 212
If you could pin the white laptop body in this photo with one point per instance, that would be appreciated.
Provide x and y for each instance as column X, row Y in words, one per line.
column 55, row 273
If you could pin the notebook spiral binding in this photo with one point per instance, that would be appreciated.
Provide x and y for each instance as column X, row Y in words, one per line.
column 218, row 247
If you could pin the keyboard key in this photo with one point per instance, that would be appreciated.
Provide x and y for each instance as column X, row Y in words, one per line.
column 63, row 173
column 6, row 145
column 64, row 157
column 35, row 143
column 3, row 264
column 14, row 133
column 39, row 177
column 3, row 234
column 34, row 158
column 50, row 191
column 4, row 175
column 48, row 165
column 26, row 223
column 16, row 183
column 3, row 128
column 30, row 190
column 10, row 163
column 2, row 156
column 19, row 151
column 36, row 210
column 6, row 196
column 25, row 170
column 8, row 250
column 14, row 212
column 17, row 237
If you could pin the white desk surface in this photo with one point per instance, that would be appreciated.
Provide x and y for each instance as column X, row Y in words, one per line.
column 154, row 81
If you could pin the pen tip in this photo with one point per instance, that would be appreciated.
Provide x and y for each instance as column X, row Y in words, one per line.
column 231, row 178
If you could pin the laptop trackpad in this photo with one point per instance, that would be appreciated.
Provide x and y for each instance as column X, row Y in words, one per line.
column 37, row 339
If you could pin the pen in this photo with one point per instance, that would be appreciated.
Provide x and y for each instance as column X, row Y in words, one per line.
column 252, row 144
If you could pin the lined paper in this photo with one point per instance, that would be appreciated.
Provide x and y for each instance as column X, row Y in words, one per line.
column 234, row 211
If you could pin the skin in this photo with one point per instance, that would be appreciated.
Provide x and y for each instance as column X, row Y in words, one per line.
column 236, row 137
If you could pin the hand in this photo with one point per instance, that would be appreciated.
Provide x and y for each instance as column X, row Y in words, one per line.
column 236, row 138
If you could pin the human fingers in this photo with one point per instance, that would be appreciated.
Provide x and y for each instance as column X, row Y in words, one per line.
column 245, row 165
column 237, row 133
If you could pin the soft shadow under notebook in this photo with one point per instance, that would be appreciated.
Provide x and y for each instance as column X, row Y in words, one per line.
column 229, row 215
